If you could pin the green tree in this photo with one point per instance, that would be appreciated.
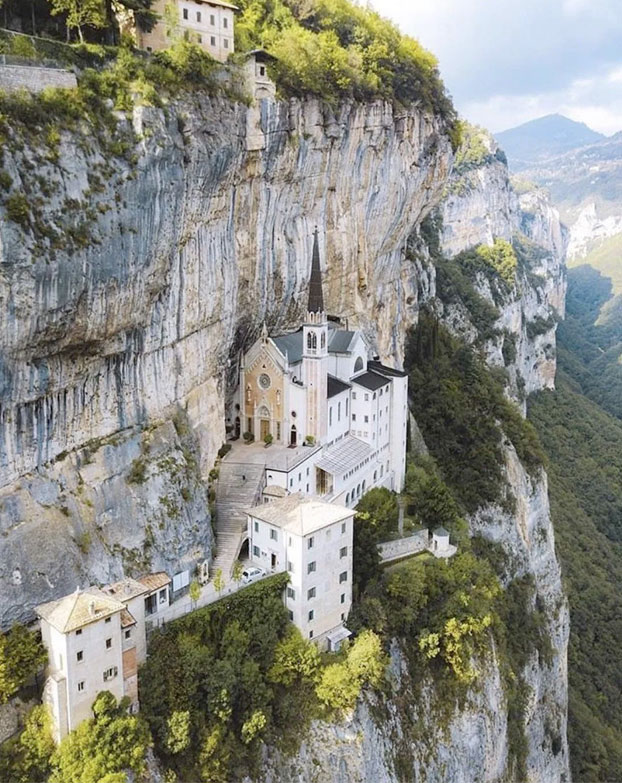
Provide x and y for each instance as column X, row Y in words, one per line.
column 219, row 581
column 106, row 745
column 80, row 13
column 238, row 571
column 195, row 592
column 178, row 738
column 21, row 655
column 295, row 659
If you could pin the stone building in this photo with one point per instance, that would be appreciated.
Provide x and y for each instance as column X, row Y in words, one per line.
column 96, row 640
column 209, row 23
column 312, row 540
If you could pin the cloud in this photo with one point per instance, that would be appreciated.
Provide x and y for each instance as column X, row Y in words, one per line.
column 530, row 53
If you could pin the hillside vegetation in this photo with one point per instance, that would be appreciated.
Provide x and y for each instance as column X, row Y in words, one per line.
column 583, row 442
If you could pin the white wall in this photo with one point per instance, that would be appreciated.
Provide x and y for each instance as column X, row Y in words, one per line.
column 338, row 417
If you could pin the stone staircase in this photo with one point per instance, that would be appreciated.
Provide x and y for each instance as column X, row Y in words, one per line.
column 239, row 487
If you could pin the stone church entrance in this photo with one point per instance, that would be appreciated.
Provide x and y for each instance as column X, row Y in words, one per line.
column 264, row 428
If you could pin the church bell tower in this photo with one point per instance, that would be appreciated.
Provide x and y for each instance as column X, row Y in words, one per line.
column 315, row 351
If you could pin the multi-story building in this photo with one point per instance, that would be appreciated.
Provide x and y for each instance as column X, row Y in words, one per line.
column 95, row 640
column 312, row 540
column 318, row 386
column 208, row 23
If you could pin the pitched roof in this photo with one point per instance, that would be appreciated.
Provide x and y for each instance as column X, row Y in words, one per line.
column 125, row 589
column 335, row 386
column 440, row 531
column 391, row 372
column 370, row 380
column 339, row 341
column 79, row 609
column 221, row 3
column 155, row 581
column 301, row 514
column 316, row 296
column 127, row 618
column 274, row 491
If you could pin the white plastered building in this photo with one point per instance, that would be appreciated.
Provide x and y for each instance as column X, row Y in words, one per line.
column 318, row 387
column 95, row 640
column 312, row 540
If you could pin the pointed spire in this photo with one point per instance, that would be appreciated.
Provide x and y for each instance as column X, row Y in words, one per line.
column 316, row 298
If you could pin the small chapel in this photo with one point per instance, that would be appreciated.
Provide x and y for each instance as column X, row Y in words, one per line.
column 320, row 388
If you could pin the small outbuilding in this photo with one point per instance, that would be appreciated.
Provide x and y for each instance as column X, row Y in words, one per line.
column 440, row 543
column 260, row 83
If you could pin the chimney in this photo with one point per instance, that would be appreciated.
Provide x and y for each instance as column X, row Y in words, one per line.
column 92, row 608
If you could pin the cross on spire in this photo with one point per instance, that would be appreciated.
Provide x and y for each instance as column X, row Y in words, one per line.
column 316, row 297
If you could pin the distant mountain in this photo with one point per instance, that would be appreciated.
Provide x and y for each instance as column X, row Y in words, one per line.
column 533, row 142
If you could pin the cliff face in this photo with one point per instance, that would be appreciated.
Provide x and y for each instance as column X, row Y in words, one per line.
column 195, row 242
column 198, row 241
column 400, row 738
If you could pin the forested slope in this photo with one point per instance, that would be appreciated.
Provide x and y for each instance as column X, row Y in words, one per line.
column 583, row 441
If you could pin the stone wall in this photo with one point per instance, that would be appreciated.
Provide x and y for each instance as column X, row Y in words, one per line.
column 401, row 547
column 17, row 77
column 12, row 716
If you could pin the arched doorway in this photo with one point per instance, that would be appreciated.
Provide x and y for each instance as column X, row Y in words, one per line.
column 237, row 427
column 264, row 421
column 293, row 436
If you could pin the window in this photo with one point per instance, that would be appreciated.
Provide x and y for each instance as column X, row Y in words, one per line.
column 128, row 633
column 291, row 482
column 291, row 593
column 343, row 528
column 310, row 634
column 185, row 13
column 81, row 685
column 310, row 593
column 343, row 577
column 262, row 68
column 212, row 19
column 199, row 39
column 79, row 632
column 343, row 598
column 198, row 16
column 311, row 567
column 343, row 552
column 212, row 41
column 311, row 613
column 330, row 416
column 291, row 616
column 273, row 535
column 346, row 407
column 366, row 397
column 80, row 655
column 108, row 644
column 343, row 616
column 310, row 541
column 307, row 471
column 108, row 619
column 307, row 489
column 347, row 501
column 255, row 551
column 299, row 477
column 338, row 411
column 163, row 596
column 354, row 417
column 353, row 395
column 256, row 526
column 110, row 673
column 290, row 566
column 225, row 22
column 366, row 419
column 225, row 43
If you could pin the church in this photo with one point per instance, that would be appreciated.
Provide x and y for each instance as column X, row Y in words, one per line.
column 337, row 416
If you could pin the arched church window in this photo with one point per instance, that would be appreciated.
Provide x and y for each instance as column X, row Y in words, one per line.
column 263, row 412
column 323, row 339
column 308, row 339
column 278, row 397
column 358, row 364
column 248, row 393
column 314, row 340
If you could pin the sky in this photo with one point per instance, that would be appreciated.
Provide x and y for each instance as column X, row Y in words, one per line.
column 509, row 61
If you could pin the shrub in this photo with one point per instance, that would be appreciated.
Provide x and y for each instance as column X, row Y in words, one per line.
column 138, row 471
column 21, row 655
column 5, row 180
column 18, row 209
column 224, row 450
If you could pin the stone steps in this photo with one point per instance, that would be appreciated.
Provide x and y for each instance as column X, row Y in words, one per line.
column 238, row 486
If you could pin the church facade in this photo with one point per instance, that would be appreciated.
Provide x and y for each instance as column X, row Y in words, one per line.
column 319, row 388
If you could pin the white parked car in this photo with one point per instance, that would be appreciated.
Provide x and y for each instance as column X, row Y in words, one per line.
column 252, row 574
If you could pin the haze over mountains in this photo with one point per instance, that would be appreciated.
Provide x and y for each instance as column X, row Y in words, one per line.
column 543, row 138
column 582, row 170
